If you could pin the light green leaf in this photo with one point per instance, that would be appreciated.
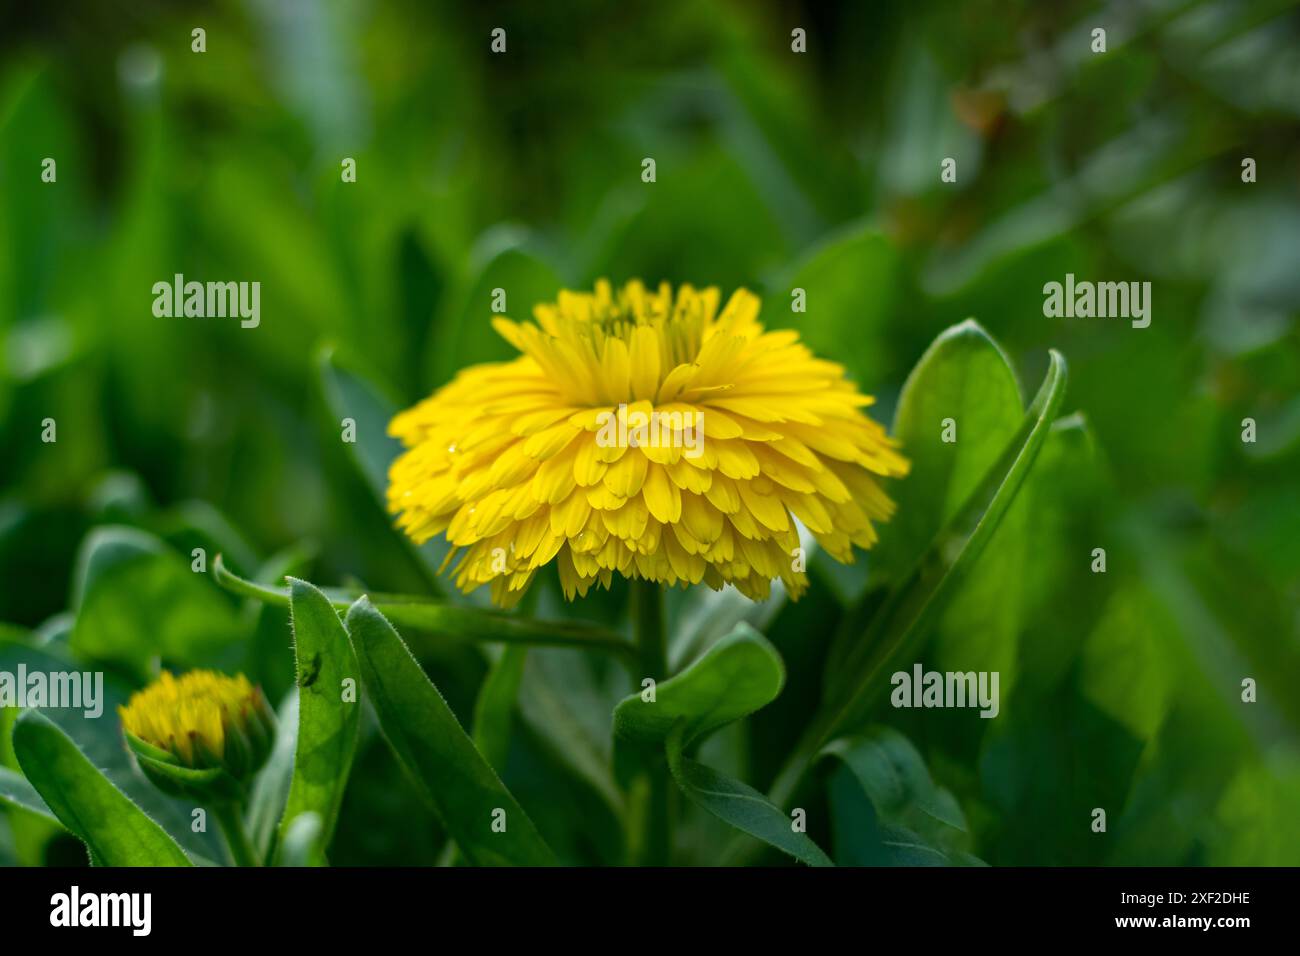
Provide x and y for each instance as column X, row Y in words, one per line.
column 735, row 677
column 439, row 756
column 903, row 622
column 1131, row 666
column 963, row 376
column 1064, row 502
column 738, row 675
column 850, row 286
column 303, row 838
column 138, row 600
column 115, row 830
column 327, row 723
column 705, row 616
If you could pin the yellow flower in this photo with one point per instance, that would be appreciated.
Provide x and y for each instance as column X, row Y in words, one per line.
column 202, row 720
column 540, row 459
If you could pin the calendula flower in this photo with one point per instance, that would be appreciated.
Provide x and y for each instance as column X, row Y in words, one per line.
column 203, row 733
column 644, row 433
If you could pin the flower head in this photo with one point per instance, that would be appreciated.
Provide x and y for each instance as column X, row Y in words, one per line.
column 200, row 731
column 646, row 433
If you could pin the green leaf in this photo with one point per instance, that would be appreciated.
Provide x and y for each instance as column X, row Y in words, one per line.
column 115, row 830
column 271, row 788
column 1065, row 506
column 1255, row 819
column 137, row 600
column 905, row 819
column 349, row 395
column 964, row 376
column 739, row 804
column 904, row 621
column 503, row 260
column 303, row 838
column 436, row 617
column 17, row 792
column 1130, row 668
column 327, row 723
column 738, row 675
column 99, row 738
column 851, row 287
column 568, row 709
column 494, row 709
column 735, row 677
column 704, row 616
column 439, row 756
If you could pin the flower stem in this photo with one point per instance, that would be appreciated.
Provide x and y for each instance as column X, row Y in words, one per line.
column 655, row 843
column 232, row 828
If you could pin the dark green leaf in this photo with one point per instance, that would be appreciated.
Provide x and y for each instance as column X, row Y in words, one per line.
column 495, row 707
column 908, row 821
column 17, row 792
column 740, row 805
column 503, row 260
column 348, row 395
column 439, row 756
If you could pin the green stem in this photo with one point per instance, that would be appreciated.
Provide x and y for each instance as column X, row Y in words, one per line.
column 231, row 822
column 655, row 844
column 430, row 618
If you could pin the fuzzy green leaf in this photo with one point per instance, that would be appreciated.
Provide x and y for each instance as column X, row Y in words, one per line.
column 116, row 831
column 439, row 756
column 327, row 722
column 17, row 792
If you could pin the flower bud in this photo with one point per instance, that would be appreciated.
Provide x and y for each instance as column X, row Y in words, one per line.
column 202, row 735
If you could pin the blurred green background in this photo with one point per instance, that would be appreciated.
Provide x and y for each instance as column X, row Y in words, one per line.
column 775, row 170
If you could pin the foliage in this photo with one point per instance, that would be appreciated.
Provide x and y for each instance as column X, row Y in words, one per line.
column 181, row 440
